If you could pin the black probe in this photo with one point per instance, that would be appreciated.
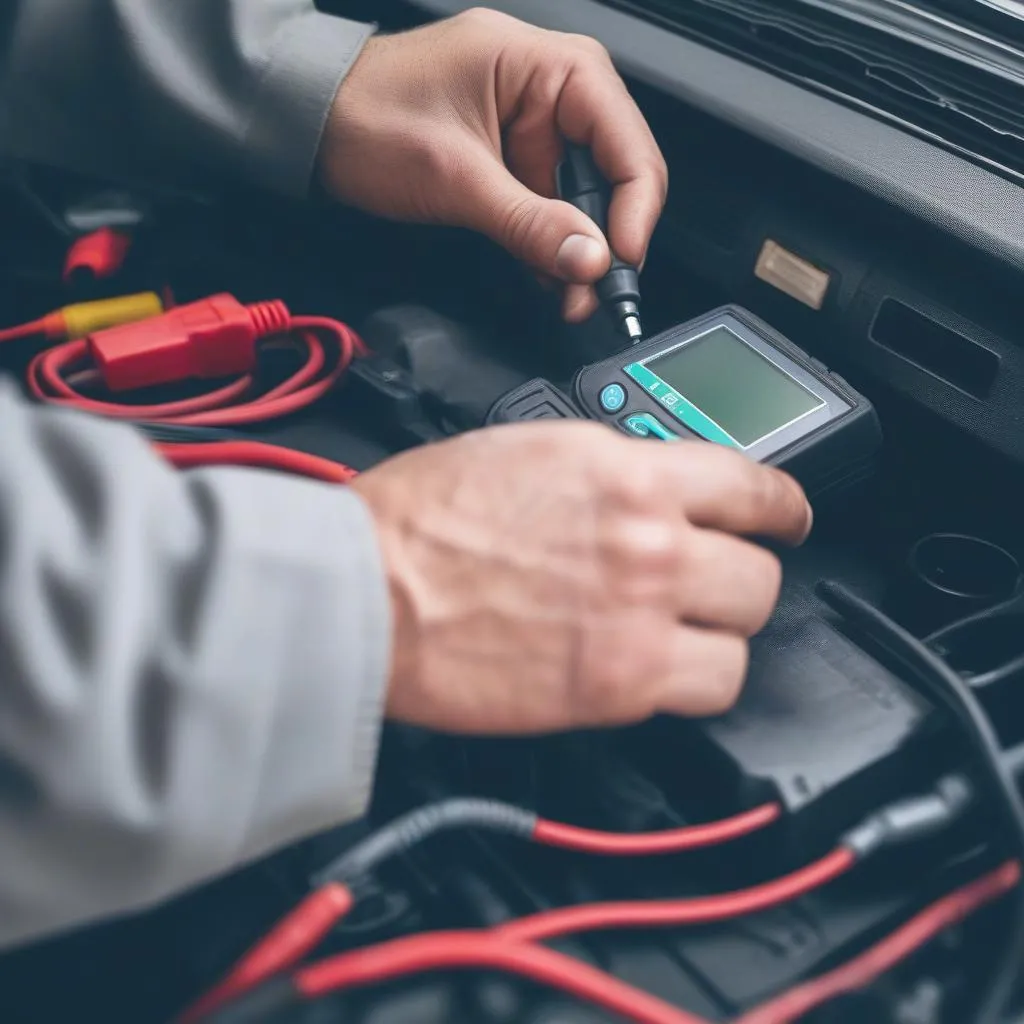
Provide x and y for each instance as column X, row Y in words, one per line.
column 582, row 184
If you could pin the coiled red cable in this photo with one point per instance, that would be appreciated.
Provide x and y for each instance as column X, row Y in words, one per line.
column 55, row 374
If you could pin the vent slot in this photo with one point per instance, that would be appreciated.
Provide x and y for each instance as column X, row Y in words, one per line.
column 953, row 89
column 942, row 352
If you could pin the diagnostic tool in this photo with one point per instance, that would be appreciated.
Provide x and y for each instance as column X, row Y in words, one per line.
column 729, row 378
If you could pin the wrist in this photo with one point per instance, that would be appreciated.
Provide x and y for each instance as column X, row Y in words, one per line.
column 346, row 122
column 390, row 528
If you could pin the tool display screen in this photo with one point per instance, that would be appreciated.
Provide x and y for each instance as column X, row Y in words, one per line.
column 742, row 391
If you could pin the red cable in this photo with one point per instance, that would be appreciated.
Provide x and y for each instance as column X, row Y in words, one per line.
column 227, row 405
column 676, row 840
column 660, row 913
column 22, row 331
column 255, row 453
column 447, row 950
column 291, row 939
column 883, row 956
column 476, row 950
column 254, row 966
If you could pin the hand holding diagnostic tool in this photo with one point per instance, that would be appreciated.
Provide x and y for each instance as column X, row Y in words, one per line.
column 725, row 377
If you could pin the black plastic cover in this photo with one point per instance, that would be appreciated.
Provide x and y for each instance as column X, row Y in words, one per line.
column 537, row 399
column 821, row 726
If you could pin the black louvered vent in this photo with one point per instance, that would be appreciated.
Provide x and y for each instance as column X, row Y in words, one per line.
column 932, row 69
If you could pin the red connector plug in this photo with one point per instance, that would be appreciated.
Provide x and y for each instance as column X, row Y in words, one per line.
column 215, row 337
column 100, row 253
column 212, row 338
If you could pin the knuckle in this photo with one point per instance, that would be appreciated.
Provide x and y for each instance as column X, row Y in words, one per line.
column 591, row 47
column 430, row 163
column 781, row 491
column 621, row 664
column 643, row 545
column 761, row 490
column 483, row 18
column 519, row 223
column 635, row 486
column 659, row 172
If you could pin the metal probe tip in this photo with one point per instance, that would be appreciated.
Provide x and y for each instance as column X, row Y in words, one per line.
column 627, row 313
column 633, row 328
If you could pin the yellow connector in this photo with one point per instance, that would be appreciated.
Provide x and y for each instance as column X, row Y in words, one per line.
column 84, row 318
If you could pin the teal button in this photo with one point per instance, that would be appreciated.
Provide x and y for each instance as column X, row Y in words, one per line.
column 613, row 398
column 679, row 407
column 645, row 425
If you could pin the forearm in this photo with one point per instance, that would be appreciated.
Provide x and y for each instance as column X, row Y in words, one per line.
column 192, row 668
column 177, row 93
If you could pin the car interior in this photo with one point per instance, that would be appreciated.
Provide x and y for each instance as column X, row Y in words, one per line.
column 847, row 178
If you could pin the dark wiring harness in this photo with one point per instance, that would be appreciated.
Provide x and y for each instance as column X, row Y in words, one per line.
column 945, row 687
column 514, row 946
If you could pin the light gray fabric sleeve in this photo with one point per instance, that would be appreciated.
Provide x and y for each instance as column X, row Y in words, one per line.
column 192, row 667
column 172, row 92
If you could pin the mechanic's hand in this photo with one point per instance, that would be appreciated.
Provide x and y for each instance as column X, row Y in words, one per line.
column 556, row 576
column 426, row 121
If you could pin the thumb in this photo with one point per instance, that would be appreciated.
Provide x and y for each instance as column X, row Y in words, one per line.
column 553, row 237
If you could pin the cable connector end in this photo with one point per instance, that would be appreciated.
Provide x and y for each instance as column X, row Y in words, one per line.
column 633, row 328
column 85, row 318
column 626, row 314
column 99, row 254
column 909, row 820
column 215, row 337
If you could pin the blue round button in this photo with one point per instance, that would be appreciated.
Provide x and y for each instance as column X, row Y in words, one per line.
column 613, row 398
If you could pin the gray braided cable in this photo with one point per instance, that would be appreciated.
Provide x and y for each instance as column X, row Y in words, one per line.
column 411, row 829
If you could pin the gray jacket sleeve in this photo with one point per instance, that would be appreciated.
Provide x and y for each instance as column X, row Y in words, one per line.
column 172, row 92
column 192, row 667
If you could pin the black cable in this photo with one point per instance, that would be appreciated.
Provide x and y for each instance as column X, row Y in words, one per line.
column 183, row 433
column 944, row 686
column 1014, row 760
column 412, row 828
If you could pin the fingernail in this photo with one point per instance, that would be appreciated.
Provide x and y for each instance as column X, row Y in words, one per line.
column 579, row 258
